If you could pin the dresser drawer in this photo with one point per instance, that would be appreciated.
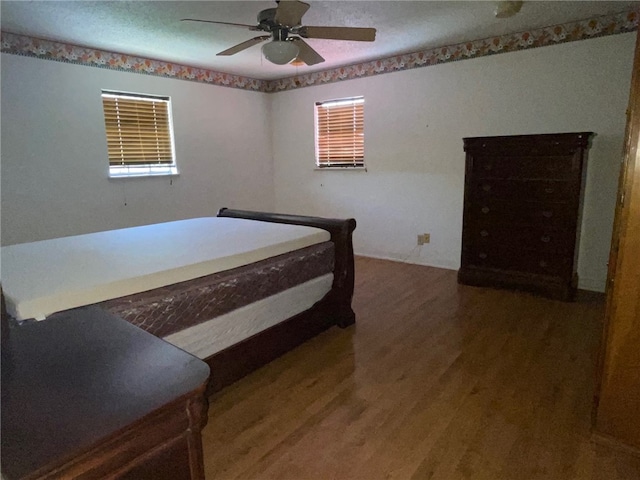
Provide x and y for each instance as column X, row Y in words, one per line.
column 494, row 212
column 523, row 190
column 533, row 167
column 507, row 259
column 541, row 239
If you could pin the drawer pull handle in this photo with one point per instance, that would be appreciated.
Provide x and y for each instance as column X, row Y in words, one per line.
column 545, row 238
column 486, row 187
column 485, row 210
column 552, row 167
column 484, row 233
column 547, row 213
column 488, row 166
column 543, row 264
column 548, row 190
column 483, row 255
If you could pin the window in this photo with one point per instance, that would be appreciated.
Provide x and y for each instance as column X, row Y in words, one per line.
column 340, row 133
column 139, row 134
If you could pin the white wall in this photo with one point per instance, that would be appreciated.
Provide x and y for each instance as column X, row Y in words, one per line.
column 414, row 124
column 54, row 162
column 54, row 167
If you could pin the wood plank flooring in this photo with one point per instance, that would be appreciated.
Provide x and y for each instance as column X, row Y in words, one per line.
column 435, row 381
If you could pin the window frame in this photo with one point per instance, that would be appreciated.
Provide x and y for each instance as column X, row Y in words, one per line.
column 141, row 169
column 328, row 163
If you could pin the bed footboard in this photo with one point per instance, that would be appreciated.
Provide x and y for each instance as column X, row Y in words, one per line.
column 337, row 303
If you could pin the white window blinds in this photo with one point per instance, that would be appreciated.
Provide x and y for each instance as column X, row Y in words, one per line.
column 138, row 130
column 340, row 133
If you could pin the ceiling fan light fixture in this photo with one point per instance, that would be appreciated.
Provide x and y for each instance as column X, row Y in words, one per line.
column 506, row 9
column 280, row 52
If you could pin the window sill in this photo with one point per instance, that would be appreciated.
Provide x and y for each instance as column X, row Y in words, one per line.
column 145, row 175
column 143, row 172
column 340, row 169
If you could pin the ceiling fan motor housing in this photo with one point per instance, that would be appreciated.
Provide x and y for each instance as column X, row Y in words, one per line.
column 266, row 19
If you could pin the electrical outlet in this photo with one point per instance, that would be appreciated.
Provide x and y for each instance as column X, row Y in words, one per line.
column 424, row 238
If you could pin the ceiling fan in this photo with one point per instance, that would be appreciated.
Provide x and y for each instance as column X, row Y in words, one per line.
column 284, row 21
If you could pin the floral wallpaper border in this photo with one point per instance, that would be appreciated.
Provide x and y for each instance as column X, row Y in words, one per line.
column 542, row 37
column 553, row 35
column 62, row 52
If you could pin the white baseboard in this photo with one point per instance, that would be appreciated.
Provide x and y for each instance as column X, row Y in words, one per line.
column 406, row 260
column 591, row 284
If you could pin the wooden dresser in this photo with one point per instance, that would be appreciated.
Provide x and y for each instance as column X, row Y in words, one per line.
column 522, row 212
column 87, row 395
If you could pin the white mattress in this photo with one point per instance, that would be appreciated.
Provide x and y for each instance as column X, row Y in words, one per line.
column 49, row 276
column 212, row 336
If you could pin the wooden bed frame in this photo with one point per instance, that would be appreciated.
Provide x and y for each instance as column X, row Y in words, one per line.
column 334, row 308
column 240, row 359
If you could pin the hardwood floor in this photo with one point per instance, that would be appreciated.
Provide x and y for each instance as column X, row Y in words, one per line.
column 435, row 381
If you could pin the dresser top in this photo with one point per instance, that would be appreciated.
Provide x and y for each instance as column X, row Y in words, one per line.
column 575, row 139
column 79, row 377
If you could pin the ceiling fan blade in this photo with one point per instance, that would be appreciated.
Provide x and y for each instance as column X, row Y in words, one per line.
column 307, row 54
column 250, row 27
column 289, row 12
column 243, row 45
column 338, row 33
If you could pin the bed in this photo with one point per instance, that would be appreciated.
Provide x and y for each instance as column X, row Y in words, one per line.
column 171, row 279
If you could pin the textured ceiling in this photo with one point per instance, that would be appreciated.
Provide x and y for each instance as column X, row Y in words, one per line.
column 152, row 29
